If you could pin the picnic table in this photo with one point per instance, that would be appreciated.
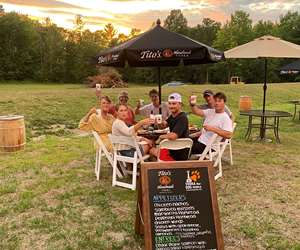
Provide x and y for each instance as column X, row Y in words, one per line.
column 296, row 103
column 263, row 123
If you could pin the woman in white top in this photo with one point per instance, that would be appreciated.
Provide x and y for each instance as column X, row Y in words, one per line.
column 120, row 128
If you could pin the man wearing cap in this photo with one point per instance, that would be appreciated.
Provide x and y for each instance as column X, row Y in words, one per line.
column 208, row 95
column 216, row 122
column 153, row 107
column 178, row 124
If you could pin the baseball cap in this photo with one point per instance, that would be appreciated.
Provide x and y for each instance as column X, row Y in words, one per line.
column 175, row 97
column 123, row 94
column 208, row 92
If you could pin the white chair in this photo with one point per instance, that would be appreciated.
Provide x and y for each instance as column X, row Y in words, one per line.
column 211, row 152
column 177, row 144
column 223, row 145
column 117, row 157
column 208, row 153
column 100, row 151
column 214, row 152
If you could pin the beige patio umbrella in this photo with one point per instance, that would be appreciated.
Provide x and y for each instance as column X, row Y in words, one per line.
column 265, row 47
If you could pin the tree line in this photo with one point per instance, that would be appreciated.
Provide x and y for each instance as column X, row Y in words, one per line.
column 42, row 51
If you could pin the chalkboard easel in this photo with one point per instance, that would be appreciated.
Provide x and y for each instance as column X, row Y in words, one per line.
column 179, row 206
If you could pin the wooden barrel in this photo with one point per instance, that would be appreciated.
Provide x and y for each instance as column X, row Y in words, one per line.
column 12, row 133
column 245, row 103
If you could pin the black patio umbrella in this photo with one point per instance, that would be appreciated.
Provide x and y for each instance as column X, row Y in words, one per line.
column 159, row 47
column 292, row 68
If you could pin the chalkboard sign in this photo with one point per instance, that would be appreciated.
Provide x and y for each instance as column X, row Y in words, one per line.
column 180, row 207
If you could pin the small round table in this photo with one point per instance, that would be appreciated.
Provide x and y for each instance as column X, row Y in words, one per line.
column 296, row 103
column 264, row 125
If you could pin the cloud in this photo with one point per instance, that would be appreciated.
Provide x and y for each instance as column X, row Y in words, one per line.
column 60, row 12
column 210, row 2
column 43, row 3
column 83, row 13
column 195, row 17
column 266, row 9
column 141, row 14
column 126, row 0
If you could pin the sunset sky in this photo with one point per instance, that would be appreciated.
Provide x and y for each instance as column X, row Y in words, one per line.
column 127, row 14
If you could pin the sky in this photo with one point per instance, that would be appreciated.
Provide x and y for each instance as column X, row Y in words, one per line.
column 127, row 14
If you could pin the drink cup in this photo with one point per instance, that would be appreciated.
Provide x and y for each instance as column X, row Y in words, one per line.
column 141, row 101
column 98, row 90
column 158, row 119
column 98, row 111
column 193, row 99
column 152, row 117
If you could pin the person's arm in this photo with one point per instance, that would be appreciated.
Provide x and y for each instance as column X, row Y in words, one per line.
column 170, row 136
column 196, row 110
column 163, row 125
column 195, row 135
column 223, row 133
column 142, row 110
column 137, row 108
column 129, row 131
column 84, row 124
column 141, row 123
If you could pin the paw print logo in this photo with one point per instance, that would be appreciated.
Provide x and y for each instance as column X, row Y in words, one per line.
column 195, row 175
column 165, row 180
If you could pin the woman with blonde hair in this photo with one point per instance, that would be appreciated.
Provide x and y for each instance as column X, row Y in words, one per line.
column 100, row 122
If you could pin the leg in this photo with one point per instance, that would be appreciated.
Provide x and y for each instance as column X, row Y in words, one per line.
column 134, row 172
column 219, row 160
column 96, row 161
column 154, row 151
column 99, row 164
column 114, row 179
column 139, row 223
column 248, row 132
column 250, row 124
column 274, row 128
column 277, row 130
column 146, row 148
column 262, row 128
column 230, row 152
column 295, row 111
column 198, row 148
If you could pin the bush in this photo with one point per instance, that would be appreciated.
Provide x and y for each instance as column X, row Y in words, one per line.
column 107, row 77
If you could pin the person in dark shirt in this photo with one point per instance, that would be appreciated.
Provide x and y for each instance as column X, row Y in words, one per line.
column 178, row 124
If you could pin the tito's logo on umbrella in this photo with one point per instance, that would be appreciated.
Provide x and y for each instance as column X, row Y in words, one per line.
column 168, row 53
column 151, row 54
column 108, row 58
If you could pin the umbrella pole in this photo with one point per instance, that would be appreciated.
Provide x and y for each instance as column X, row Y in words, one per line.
column 263, row 123
column 159, row 89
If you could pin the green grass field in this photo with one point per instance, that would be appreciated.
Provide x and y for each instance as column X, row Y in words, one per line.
column 50, row 199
